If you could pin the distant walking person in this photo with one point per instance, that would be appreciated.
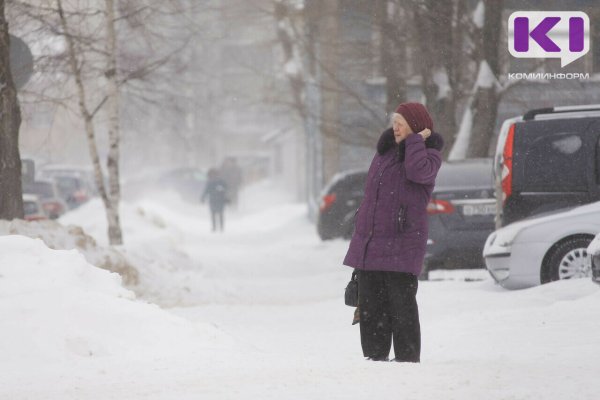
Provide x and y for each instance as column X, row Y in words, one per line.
column 232, row 175
column 216, row 190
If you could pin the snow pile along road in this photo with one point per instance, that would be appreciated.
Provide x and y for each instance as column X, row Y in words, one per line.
column 60, row 237
column 57, row 309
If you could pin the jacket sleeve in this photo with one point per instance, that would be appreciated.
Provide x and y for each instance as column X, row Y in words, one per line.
column 422, row 164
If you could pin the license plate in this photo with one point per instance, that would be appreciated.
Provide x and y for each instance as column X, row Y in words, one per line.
column 479, row 209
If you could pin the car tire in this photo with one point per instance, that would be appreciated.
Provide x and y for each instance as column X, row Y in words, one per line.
column 325, row 236
column 567, row 260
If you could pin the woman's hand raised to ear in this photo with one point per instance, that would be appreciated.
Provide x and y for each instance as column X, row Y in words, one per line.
column 425, row 133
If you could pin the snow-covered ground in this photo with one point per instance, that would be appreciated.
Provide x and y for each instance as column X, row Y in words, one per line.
column 257, row 313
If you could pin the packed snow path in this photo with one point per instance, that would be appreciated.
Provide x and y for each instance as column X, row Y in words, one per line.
column 266, row 298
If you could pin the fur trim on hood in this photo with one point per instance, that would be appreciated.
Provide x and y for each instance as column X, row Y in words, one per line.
column 387, row 141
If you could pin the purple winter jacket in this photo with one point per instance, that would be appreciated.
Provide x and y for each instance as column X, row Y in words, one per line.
column 391, row 223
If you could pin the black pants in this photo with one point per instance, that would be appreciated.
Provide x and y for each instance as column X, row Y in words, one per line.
column 388, row 309
column 217, row 219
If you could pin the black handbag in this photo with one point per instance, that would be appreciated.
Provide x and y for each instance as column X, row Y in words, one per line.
column 351, row 295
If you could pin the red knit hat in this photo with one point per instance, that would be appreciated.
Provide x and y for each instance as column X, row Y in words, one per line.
column 416, row 115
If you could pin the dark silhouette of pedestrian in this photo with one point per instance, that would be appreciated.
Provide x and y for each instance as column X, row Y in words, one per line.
column 231, row 173
column 216, row 191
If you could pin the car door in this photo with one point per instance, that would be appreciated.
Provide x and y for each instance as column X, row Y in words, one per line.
column 594, row 164
column 551, row 167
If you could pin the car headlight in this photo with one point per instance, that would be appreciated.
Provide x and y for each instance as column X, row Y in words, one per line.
column 506, row 238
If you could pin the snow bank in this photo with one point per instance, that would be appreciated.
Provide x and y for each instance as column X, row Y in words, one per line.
column 154, row 232
column 59, row 237
column 55, row 307
column 168, row 241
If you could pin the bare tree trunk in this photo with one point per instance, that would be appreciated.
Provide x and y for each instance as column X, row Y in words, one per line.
column 484, row 118
column 393, row 53
column 115, row 235
column 438, row 31
column 11, row 198
column 487, row 96
column 89, row 126
column 423, row 31
column 288, row 43
column 298, row 80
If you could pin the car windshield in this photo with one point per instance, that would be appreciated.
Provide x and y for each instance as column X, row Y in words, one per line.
column 349, row 179
column 465, row 174
column 67, row 185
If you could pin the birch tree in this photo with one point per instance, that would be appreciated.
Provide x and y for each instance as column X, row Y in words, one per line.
column 111, row 204
column 88, row 68
column 114, row 195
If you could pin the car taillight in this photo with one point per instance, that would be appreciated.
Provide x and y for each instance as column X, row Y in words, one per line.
column 52, row 206
column 80, row 196
column 327, row 201
column 439, row 207
column 35, row 217
column 507, row 166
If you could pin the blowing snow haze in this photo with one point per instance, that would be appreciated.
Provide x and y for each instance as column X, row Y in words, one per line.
column 181, row 182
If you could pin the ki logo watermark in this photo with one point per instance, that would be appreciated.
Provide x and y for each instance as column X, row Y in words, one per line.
column 549, row 34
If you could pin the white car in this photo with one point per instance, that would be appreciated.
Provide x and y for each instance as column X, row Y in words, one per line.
column 32, row 208
column 543, row 248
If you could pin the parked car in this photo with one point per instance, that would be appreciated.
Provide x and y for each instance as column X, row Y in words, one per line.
column 461, row 215
column 75, row 183
column 546, row 160
column 461, row 212
column 339, row 203
column 72, row 189
column 543, row 248
column 594, row 252
column 49, row 196
column 32, row 208
column 85, row 175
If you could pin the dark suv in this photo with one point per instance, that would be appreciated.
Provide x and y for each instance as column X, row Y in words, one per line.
column 546, row 160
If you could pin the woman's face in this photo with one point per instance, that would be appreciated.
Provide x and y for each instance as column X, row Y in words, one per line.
column 401, row 128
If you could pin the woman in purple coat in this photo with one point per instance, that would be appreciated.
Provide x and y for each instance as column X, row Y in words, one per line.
column 388, row 244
